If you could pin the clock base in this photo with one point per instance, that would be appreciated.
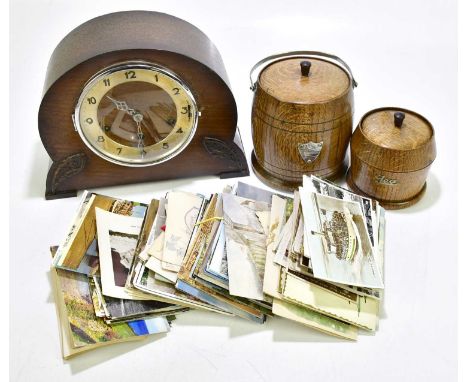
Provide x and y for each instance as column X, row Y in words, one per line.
column 60, row 172
column 61, row 195
column 211, row 156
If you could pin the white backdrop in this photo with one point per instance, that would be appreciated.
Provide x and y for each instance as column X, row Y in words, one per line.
column 403, row 53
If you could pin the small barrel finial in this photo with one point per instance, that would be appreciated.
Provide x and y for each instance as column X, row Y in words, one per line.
column 305, row 68
column 398, row 118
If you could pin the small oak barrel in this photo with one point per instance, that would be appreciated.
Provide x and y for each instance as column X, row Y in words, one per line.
column 301, row 117
column 391, row 152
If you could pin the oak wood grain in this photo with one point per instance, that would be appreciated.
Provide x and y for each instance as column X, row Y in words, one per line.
column 391, row 163
column 149, row 37
column 290, row 109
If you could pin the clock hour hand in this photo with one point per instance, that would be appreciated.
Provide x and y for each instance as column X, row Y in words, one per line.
column 122, row 105
column 136, row 116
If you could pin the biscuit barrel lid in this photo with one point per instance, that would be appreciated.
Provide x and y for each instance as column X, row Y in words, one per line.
column 303, row 77
column 403, row 140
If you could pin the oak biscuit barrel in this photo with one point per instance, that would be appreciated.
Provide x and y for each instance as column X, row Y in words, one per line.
column 392, row 150
column 301, row 117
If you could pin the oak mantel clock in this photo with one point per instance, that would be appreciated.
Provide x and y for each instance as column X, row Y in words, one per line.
column 137, row 96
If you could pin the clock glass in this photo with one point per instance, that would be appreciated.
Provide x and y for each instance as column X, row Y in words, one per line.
column 136, row 114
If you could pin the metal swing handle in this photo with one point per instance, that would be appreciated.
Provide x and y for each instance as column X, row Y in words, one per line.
column 300, row 53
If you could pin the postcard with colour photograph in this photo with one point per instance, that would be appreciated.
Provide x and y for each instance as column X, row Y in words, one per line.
column 85, row 327
column 78, row 251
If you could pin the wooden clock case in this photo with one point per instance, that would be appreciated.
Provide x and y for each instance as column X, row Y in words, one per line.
column 215, row 149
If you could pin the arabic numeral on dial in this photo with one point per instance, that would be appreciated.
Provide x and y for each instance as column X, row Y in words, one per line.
column 130, row 74
column 156, row 78
column 180, row 131
column 100, row 138
column 187, row 110
column 165, row 145
column 106, row 82
column 89, row 121
column 119, row 150
column 176, row 91
column 91, row 100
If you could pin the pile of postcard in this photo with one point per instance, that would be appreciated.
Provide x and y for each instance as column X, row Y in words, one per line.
column 126, row 269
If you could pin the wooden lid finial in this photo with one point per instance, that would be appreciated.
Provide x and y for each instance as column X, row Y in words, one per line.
column 398, row 118
column 305, row 68
column 396, row 128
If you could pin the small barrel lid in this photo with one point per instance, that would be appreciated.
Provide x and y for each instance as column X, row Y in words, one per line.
column 394, row 139
column 397, row 129
column 304, row 80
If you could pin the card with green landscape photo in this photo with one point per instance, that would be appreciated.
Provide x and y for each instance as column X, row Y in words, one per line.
column 85, row 328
